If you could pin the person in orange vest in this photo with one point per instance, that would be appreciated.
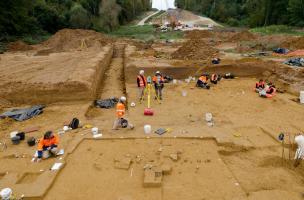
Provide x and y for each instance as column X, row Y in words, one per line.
column 259, row 85
column 214, row 78
column 141, row 84
column 47, row 146
column 158, row 81
column 120, row 122
column 202, row 81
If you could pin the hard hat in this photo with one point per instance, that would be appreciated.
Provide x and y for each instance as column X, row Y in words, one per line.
column 6, row 193
column 123, row 99
column 141, row 72
column 157, row 72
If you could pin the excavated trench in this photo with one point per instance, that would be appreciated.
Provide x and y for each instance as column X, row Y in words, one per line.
column 112, row 82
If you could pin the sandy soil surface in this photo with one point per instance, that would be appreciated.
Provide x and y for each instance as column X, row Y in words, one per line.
column 239, row 157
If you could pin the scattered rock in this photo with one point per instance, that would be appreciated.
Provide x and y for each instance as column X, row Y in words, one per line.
column 123, row 163
column 153, row 177
column 174, row 156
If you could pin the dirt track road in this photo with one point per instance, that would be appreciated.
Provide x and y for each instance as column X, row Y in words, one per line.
column 142, row 22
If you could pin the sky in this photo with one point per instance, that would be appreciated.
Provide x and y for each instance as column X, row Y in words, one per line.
column 162, row 5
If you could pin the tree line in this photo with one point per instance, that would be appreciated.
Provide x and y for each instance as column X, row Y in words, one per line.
column 253, row 13
column 25, row 17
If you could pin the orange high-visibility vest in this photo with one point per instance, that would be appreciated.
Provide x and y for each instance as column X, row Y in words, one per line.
column 203, row 79
column 142, row 81
column 158, row 79
column 120, row 110
column 48, row 142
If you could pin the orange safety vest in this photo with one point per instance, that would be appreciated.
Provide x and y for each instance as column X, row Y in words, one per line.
column 260, row 85
column 48, row 142
column 203, row 79
column 120, row 110
column 158, row 79
column 142, row 81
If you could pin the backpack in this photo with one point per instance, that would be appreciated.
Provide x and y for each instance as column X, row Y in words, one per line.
column 124, row 123
column 74, row 123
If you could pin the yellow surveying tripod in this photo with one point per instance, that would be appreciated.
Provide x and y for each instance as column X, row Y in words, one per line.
column 149, row 88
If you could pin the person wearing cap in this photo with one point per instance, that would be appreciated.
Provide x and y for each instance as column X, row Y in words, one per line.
column 158, row 81
column 120, row 122
column 48, row 146
column 141, row 84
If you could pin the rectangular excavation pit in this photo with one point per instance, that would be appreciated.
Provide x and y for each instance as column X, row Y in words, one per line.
column 28, row 177
column 197, row 173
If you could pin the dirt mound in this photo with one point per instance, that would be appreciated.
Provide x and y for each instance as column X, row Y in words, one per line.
column 195, row 50
column 19, row 46
column 198, row 34
column 69, row 39
column 243, row 36
column 294, row 43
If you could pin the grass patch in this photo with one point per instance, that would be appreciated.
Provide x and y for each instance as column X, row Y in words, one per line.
column 277, row 29
column 146, row 32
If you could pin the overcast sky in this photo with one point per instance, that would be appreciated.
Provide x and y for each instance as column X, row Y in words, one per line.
column 162, row 5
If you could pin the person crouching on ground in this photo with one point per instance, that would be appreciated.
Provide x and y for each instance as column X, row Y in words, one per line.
column 259, row 86
column 269, row 91
column 202, row 81
column 158, row 81
column 120, row 122
column 214, row 78
column 141, row 84
column 48, row 146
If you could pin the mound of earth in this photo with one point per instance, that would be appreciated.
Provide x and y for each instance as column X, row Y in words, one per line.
column 294, row 43
column 243, row 36
column 198, row 34
column 69, row 39
column 195, row 50
column 19, row 46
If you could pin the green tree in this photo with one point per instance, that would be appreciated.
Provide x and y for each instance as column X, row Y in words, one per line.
column 296, row 12
column 79, row 17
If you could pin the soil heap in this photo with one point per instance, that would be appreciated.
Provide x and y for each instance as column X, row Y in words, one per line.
column 243, row 36
column 195, row 50
column 19, row 46
column 294, row 43
column 198, row 34
column 71, row 39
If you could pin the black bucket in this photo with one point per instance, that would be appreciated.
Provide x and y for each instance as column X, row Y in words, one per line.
column 16, row 140
column 21, row 135
column 31, row 141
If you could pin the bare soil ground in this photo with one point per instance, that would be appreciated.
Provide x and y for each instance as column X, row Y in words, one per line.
column 237, row 158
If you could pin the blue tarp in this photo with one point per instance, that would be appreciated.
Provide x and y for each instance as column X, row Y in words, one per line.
column 23, row 114
column 298, row 62
column 281, row 50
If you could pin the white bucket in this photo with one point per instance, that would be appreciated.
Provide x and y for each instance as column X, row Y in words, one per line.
column 13, row 134
column 184, row 93
column 208, row 117
column 95, row 131
column 174, row 81
column 147, row 129
column 302, row 97
column 6, row 193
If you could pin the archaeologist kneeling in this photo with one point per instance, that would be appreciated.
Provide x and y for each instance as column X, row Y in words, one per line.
column 259, row 86
column 269, row 91
column 120, row 122
column 202, row 81
column 47, row 146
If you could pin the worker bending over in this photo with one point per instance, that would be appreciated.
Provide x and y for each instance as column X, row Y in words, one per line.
column 158, row 81
column 202, row 82
column 259, row 86
column 214, row 78
column 120, row 122
column 141, row 84
column 47, row 146
column 269, row 91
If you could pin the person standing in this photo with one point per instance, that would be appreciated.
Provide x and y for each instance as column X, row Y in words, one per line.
column 158, row 81
column 141, row 84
